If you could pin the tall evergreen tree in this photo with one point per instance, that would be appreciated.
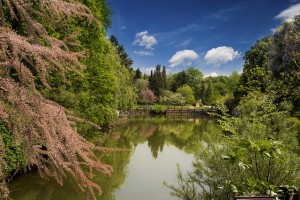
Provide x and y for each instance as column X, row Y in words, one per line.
column 138, row 74
column 164, row 77
column 210, row 94
column 125, row 59
column 156, row 81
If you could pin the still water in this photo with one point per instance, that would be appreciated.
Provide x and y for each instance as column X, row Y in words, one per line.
column 156, row 146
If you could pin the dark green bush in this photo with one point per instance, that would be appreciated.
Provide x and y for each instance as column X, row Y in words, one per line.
column 13, row 154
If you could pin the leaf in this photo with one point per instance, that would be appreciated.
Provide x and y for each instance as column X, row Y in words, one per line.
column 234, row 189
column 226, row 157
column 267, row 154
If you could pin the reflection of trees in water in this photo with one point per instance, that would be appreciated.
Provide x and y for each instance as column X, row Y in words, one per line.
column 159, row 131
column 156, row 131
column 148, row 130
column 33, row 187
column 156, row 142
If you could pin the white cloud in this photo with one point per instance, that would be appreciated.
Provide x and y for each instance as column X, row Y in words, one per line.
column 189, row 64
column 147, row 70
column 214, row 74
column 184, row 43
column 145, row 40
column 273, row 30
column 288, row 14
column 181, row 56
column 221, row 55
column 144, row 53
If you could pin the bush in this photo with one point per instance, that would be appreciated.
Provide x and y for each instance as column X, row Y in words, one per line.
column 158, row 109
column 13, row 156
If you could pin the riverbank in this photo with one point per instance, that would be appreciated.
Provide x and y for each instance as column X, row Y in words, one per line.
column 169, row 112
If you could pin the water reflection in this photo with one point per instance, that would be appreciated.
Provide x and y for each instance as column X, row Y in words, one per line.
column 155, row 146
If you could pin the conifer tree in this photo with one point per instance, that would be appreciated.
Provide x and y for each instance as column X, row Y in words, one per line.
column 138, row 74
column 164, row 78
column 125, row 60
column 156, row 81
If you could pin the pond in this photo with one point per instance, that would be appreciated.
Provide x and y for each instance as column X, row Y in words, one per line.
column 156, row 146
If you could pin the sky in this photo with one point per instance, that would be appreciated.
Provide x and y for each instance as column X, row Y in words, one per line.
column 210, row 35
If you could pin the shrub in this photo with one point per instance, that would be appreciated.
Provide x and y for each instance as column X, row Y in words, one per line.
column 158, row 109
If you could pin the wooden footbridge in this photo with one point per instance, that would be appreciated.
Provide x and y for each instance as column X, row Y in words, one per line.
column 188, row 112
column 171, row 112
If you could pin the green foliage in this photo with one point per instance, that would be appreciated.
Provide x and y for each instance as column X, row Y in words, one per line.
column 156, row 82
column 257, row 55
column 195, row 81
column 106, row 85
column 210, row 95
column 138, row 74
column 232, row 81
column 172, row 98
column 141, row 84
column 257, row 153
column 185, row 189
column 178, row 80
column 188, row 93
column 256, row 75
column 272, row 64
column 256, row 104
column 254, row 78
column 13, row 155
column 125, row 60
column 284, row 55
column 158, row 109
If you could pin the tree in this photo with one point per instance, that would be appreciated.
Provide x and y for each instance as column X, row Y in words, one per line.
column 249, row 159
column 141, row 84
column 138, row 74
column 284, row 55
column 147, row 96
column 285, row 62
column 164, row 78
column 156, row 81
column 177, row 99
column 252, row 79
column 188, row 93
column 272, row 64
column 233, row 81
column 29, row 54
column 125, row 60
column 195, row 80
column 209, row 93
column 178, row 80
column 258, row 54
column 171, row 98
column 256, row 74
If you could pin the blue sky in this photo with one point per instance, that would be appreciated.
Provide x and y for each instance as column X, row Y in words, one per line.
column 211, row 36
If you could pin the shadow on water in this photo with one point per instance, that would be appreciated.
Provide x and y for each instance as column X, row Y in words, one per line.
column 156, row 143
